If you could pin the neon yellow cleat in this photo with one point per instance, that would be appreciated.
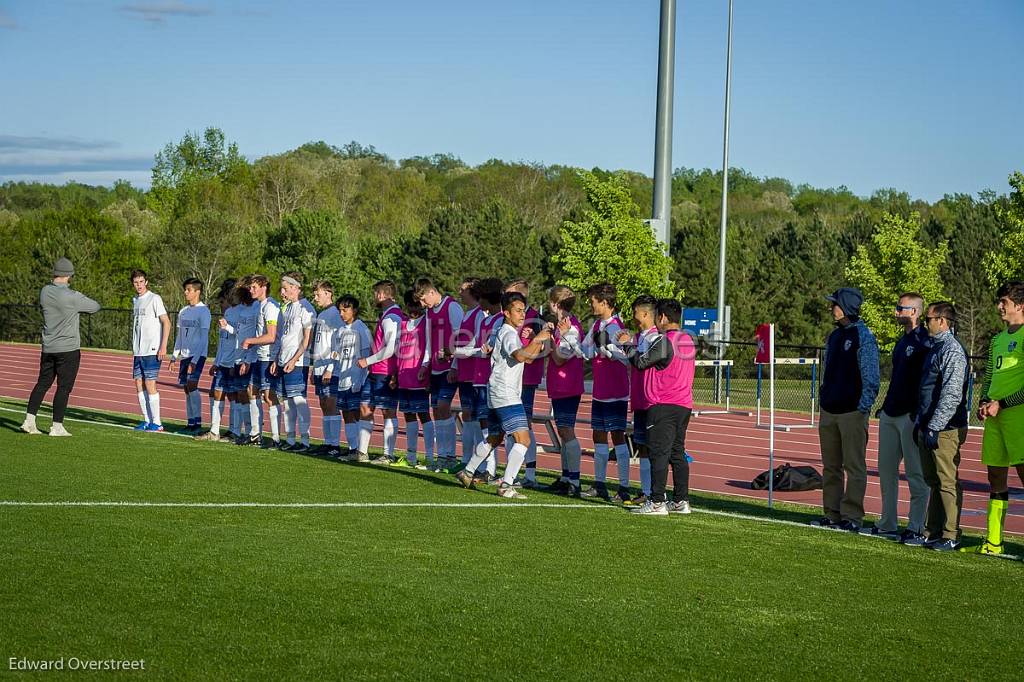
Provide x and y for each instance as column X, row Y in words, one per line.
column 984, row 548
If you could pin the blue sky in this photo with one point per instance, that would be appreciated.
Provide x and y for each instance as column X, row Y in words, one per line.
column 926, row 97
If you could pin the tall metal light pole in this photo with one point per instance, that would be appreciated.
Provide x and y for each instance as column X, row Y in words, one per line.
column 661, row 213
column 725, row 190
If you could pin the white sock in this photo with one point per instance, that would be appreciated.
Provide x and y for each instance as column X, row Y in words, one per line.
column 259, row 410
column 445, row 430
column 470, row 439
column 600, row 462
column 645, row 476
column 531, row 459
column 197, row 406
column 336, row 430
column 365, row 431
column 390, row 436
column 491, row 464
column 622, row 459
column 573, row 453
column 429, row 435
column 288, row 413
column 483, row 451
column 275, row 422
column 188, row 408
column 352, row 435
column 154, row 407
column 254, row 418
column 412, row 435
column 144, row 407
column 235, row 418
column 215, row 409
column 303, row 417
column 516, row 455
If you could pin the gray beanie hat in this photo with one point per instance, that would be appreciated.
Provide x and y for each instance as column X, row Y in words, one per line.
column 63, row 268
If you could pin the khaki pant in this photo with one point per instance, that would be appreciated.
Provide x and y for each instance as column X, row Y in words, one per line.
column 844, row 443
column 947, row 495
column 895, row 443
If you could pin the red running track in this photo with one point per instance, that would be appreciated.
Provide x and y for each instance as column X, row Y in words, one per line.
column 728, row 450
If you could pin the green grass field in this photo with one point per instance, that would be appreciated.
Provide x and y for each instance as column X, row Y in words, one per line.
column 503, row 591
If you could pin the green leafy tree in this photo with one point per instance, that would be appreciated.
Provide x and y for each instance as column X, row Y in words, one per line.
column 1007, row 262
column 611, row 243
column 189, row 172
column 896, row 260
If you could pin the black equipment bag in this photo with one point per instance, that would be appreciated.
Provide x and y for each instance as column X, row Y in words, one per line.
column 787, row 477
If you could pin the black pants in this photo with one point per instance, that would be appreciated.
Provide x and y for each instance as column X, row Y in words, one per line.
column 64, row 368
column 666, row 445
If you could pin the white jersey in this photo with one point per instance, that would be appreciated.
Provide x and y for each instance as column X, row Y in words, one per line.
column 227, row 340
column 147, row 332
column 351, row 342
column 327, row 324
column 193, row 336
column 296, row 318
column 505, row 387
column 269, row 316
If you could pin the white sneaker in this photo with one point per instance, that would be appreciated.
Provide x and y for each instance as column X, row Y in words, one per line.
column 508, row 491
column 651, row 508
column 29, row 426
column 57, row 429
column 679, row 507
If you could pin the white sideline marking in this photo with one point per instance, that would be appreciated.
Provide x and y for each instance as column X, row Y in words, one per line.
column 306, row 505
column 99, row 423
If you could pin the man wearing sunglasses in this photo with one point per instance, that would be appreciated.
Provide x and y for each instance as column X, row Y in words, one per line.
column 941, row 426
column 896, row 428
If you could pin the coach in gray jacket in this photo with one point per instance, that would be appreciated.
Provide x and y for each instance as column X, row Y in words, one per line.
column 61, row 346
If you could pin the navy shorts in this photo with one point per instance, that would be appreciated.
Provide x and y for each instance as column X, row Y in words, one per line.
column 640, row 427
column 352, row 400
column 507, row 420
column 467, row 400
column 382, row 396
column 325, row 390
column 218, row 380
column 185, row 376
column 529, row 394
column 609, row 416
column 260, row 376
column 145, row 367
column 413, row 401
column 441, row 390
column 480, row 409
column 565, row 410
column 291, row 384
column 235, row 381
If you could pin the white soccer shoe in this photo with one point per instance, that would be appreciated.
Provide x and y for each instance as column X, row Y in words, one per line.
column 509, row 492
column 651, row 508
column 57, row 429
column 29, row 426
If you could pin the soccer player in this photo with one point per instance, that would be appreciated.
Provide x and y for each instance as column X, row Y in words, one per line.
column 413, row 382
column 290, row 369
column 533, row 374
column 325, row 381
column 223, row 365
column 444, row 319
column 238, row 380
column 191, row 344
column 463, row 368
column 668, row 367
column 352, row 342
column 62, row 346
column 267, row 345
column 151, row 328
column 505, row 390
column 565, row 386
column 644, row 310
column 1001, row 410
column 383, row 364
column 488, row 291
column 849, row 387
column 896, row 428
column 941, row 426
column 611, row 390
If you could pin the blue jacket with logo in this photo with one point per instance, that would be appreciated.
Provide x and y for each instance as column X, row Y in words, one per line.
column 851, row 376
column 942, row 397
column 907, row 365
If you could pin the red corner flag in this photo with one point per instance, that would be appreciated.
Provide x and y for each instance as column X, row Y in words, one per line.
column 764, row 342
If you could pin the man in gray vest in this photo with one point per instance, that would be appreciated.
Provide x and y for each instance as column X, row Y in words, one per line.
column 61, row 346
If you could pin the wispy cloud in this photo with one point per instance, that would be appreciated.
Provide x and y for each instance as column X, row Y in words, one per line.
column 18, row 143
column 158, row 12
column 6, row 21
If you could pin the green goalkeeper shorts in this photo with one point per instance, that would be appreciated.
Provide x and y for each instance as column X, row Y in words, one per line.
column 1003, row 443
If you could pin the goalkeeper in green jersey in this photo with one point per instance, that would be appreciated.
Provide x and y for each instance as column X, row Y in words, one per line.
column 1002, row 410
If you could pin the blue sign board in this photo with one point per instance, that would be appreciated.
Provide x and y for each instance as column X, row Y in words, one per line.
column 699, row 321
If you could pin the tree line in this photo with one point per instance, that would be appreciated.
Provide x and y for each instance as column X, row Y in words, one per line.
column 353, row 215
